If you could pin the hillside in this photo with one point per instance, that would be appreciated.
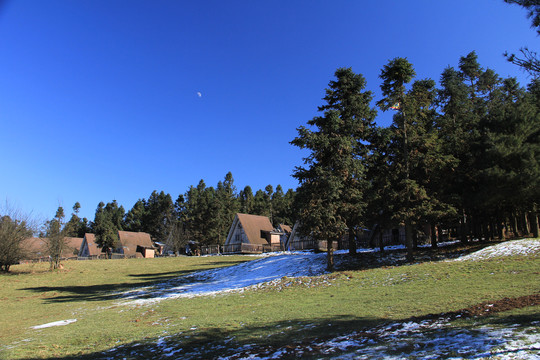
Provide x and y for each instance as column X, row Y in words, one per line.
column 280, row 306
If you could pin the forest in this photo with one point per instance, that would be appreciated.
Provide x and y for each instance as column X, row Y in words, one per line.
column 461, row 153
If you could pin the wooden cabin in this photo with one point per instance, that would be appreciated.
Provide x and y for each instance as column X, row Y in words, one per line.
column 252, row 234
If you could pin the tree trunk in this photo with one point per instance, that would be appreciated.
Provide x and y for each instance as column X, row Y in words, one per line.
column 329, row 255
column 463, row 232
column 352, row 241
column 515, row 228
column 526, row 224
column 381, row 242
column 433, row 236
column 409, row 241
column 492, row 230
column 534, row 222
column 440, row 236
column 502, row 232
column 485, row 232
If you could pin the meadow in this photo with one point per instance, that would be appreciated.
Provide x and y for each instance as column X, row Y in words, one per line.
column 279, row 314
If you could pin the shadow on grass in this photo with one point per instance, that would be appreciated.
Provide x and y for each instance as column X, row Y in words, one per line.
column 102, row 292
column 398, row 257
column 212, row 343
column 174, row 274
column 322, row 338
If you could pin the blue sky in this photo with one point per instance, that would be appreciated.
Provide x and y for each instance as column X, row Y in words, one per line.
column 103, row 100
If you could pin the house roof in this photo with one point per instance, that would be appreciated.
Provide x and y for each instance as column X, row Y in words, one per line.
column 93, row 249
column 252, row 225
column 130, row 240
column 73, row 246
column 285, row 228
column 34, row 248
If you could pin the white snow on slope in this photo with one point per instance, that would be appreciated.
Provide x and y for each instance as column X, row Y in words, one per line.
column 270, row 267
column 508, row 248
column 236, row 277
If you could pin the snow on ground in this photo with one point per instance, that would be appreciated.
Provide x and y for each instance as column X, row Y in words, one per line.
column 272, row 267
column 416, row 340
column 55, row 323
column 232, row 278
column 508, row 248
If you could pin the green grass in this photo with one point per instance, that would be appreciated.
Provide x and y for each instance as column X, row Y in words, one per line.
column 280, row 314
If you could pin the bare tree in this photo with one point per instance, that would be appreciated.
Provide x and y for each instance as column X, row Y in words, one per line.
column 15, row 227
column 177, row 236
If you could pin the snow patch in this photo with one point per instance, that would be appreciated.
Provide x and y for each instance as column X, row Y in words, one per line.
column 508, row 248
column 55, row 323
column 232, row 278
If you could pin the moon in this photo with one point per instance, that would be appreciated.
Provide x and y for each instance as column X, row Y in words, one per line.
column 199, row 94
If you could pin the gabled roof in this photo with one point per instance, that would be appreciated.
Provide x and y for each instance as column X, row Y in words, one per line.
column 285, row 228
column 130, row 240
column 73, row 246
column 93, row 249
column 253, row 225
column 34, row 248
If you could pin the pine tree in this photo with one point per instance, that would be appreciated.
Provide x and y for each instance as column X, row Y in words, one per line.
column 55, row 238
column 105, row 228
column 416, row 155
column 332, row 183
column 529, row 62
column 246, row 200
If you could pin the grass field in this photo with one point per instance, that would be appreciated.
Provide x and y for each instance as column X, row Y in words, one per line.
column 283, row 312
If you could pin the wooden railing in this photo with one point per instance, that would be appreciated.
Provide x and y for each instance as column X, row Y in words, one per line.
column 250, row 248
column 320, row 245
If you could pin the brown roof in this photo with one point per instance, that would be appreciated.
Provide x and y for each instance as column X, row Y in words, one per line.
column 34, row 248
column 252, row 225
column 130, row 240
column 93, row 249
column 285, row 228
column 73, row 246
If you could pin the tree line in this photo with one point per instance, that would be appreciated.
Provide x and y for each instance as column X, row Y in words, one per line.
column 462, row 154
column 202, row 214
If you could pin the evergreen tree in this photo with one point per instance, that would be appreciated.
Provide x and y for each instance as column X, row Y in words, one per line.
column 333, row 183
column 246, row 200
column 104, row 228
column 77, row 226
column 134, row 219
column 417, row 157
column 530, row 62
column 55, row 238
column 261, row 204
column 158, row 212
column 227, row 205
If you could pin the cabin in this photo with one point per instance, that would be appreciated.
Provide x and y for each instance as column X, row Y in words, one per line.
column 252, row 234
column 285, row 233
column 72, row 248
column 134, row 244
column 89, row 248
column 34, row 249
column 296, row 241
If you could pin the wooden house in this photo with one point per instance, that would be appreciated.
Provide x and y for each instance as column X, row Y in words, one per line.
column 89, row 248
column 135, row 244
column 34, row 249
column 72, row 248
column 285, row 233
column 252, row 234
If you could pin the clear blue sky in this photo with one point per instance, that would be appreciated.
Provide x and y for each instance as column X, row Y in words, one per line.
column 112, row 99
